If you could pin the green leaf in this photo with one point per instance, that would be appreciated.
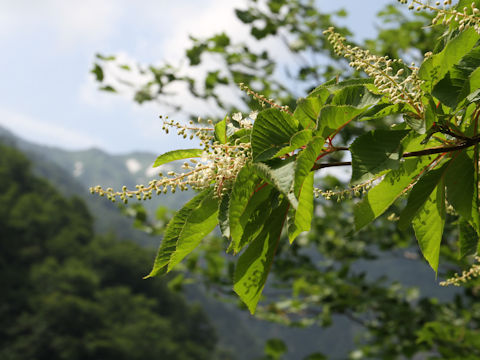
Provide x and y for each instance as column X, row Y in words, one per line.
column 254, row 264
column 223, row 216
column 376, row 152
column 280, row 174
column 419, row 195
column 98, row 72
column 428, row 225
column 333, row 86
column 307, row 110
column 379, row 199
column 221, row 131
column 385, row 109
column 107, row 88
column 460, row 81
column 275, row 348
column 242, row 192
column 468, row 239
column 298, row 140
column 252, row 219
column 177, row 155
column 332, row 117
column 300, row 220
column 181, row 220
column 460, row 183
column 305, row 161
column 436, row 67
column 356, row 96
column 201, row 221
column 245, row 16
column 271, row 132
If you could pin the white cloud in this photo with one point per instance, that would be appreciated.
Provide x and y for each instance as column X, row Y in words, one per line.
column 133, row 165
column 36, row 130
column 73, row 22
column 78, row 168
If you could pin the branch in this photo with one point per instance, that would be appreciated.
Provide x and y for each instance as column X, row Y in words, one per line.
column 439, row 150
column 325, row 165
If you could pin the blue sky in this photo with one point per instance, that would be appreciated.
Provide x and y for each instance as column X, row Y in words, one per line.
column 47, row 94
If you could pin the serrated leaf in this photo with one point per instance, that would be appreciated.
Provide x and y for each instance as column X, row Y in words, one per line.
column 307, row 110
column 357, row 96
column 201, row 222
column 385, row 109
column 333, row 117
column 436, row 67
column 417, row 124
column 305, row 161
column 460, row 183
column 419, row 195
column 280, row 174
column 333, row 86
column 428, row 225
column 375, row 152
column 468, row 239
column 271, row 132
column 300, row 220
column 221, row 131
column 460, row 81
column 298, row 140
column 252, row 220
column 174, row 229
column 379, row 199
column 242, row 192
column 177, row 155
column 254, row 264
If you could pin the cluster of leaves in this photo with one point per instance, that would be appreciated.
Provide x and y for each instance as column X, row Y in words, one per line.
column 432, row 155
column 277, row 187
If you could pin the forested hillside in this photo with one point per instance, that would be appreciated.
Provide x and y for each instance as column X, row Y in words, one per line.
column 70, row 294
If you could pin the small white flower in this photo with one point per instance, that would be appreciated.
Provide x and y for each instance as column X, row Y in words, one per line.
column 237, row 117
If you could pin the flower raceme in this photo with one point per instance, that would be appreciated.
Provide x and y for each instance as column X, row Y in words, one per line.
column 391, row 76
column 466, row 18
column 218, row 163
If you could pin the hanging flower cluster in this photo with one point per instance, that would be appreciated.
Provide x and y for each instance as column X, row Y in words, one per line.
column 218, row 164
column 458, row 280
column 398, row 85
column 468, row 17
column 356, row 191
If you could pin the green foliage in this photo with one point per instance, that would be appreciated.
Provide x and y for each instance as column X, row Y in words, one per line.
column 286, row 147
column 430, row 154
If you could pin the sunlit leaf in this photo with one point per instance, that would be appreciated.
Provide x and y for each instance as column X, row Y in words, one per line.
column 380, row 197
column 177, row 155
column 254, row 264
column 376, row 152
column 271, row 132
column 428, row 226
